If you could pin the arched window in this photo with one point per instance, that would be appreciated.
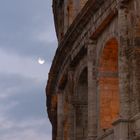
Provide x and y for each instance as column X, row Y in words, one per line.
column 109, row 84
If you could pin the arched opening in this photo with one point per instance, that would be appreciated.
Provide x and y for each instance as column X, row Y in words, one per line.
column 109, row 103
column 81, row 109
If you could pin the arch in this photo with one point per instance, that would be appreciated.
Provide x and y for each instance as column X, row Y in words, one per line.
column 82, row 87
column 80, row 68
column 81, row 108
column 108, row 84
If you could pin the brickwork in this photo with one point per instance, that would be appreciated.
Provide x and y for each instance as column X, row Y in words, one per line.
column 109, row 101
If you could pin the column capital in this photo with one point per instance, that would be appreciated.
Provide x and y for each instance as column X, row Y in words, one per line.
column 91, row 42
column 120, row 120
column 122, row 4
column 121, row 130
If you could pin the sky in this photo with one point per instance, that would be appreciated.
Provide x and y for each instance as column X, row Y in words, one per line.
column 26, row 33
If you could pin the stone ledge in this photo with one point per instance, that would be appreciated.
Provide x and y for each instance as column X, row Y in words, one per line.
column 136, row 117
column 107, row 133
column 120, row 120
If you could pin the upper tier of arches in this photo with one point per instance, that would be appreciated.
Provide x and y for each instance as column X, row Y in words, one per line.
column 65, row 12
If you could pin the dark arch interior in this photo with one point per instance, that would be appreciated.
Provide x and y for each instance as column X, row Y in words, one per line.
column 109, row 84
column 81, row 109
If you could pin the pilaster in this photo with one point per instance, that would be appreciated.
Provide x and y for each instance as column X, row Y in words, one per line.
column 136, row 66
column 59, row 115
column 135, row 49
column 121, row 129
column 70, row 105
column 124, row 73
column 92, row 93
column 121, row 126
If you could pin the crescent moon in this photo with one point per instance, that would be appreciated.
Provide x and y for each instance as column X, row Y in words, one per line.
column 41, row 61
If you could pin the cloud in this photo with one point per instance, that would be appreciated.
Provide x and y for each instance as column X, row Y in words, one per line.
column 23, row 110
column 28, row 96
column 26, row 33
column 47, row 37
column 29, row 129
column 27, row 28
column 28, row 67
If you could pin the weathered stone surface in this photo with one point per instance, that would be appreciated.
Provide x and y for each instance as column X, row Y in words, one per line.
column 93, row 90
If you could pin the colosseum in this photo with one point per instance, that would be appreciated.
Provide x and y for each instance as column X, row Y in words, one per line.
column 93, row 89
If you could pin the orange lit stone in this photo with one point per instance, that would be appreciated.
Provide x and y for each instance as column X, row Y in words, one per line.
column 54, row 101
column 109, row 85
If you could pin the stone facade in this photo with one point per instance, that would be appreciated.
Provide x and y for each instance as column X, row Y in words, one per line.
column 93, row 90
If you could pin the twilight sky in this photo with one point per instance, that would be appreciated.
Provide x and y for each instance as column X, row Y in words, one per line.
column 26, row 33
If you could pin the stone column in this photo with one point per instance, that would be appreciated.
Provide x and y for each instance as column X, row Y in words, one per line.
column 136, row 55
column 136, row 86
column 136, row 78
column 136, row 69
column 92, row 91
column 121, row 126
column 124, row 72
column 121, row 131
column 53, row 114
column 71, row 122
column 70, row 106
column 60, row 116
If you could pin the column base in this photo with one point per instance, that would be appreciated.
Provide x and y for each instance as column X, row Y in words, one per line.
column 136, row 126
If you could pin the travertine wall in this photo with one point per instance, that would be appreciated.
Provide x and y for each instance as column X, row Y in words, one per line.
column 94, row 82
column 65, row 12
